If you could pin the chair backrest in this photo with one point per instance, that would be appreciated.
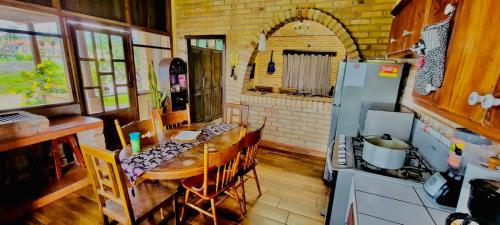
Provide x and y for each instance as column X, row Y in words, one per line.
column 177, row 118
column 145, row 127
column 236, row 113
column 250, row 145
column 108, row 181
column 226, row 167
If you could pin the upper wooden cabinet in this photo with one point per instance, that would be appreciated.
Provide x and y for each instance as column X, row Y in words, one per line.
column 410, row 16
column 150, row 14
column 108, row 9
column 472, row 65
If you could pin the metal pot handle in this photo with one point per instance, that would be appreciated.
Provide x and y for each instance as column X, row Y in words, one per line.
column 386, row 137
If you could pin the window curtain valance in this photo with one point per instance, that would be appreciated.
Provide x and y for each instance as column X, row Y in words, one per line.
column 309, row 73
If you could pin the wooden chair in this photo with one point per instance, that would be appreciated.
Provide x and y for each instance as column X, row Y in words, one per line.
column 114, row 198
column 145, row 127
column 250, row 147
column 175, row 119
column 232, row 110
column 219, row 177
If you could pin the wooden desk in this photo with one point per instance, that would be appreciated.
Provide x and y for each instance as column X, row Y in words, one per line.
column 58, row 127
column 73, row 180
column 190, row 162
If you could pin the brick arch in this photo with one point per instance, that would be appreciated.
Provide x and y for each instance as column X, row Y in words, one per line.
column 284, row 17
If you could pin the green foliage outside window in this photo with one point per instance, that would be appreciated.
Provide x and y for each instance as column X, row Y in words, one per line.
column 45, row 79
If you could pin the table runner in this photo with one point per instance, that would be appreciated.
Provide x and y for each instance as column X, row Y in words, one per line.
column 148, row 160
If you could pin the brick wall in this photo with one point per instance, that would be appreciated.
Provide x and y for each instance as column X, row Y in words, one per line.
column 241, row 21
column 316, row 38
column 301, row 122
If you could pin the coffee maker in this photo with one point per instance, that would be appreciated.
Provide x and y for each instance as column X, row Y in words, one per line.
column 483, row 204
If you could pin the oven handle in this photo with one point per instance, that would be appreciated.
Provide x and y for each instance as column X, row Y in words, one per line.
column 329, row 155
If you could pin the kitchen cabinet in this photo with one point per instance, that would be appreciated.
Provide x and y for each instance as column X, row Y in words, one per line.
column 410, row 16
column 405, row 29
column 150, row 14
column 472, row 65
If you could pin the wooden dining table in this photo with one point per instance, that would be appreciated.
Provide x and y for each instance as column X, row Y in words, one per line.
column 190, row 162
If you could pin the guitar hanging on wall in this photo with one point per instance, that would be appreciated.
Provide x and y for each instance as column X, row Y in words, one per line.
column 270, row 66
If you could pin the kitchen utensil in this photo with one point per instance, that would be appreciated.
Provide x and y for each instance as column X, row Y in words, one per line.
column 270, row 66
column 483, row 204
column 444, row 188
column 385, row 152
column 434, row 184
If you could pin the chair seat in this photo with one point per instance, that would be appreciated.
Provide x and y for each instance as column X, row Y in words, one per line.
column 149, row 197
column 194, row 184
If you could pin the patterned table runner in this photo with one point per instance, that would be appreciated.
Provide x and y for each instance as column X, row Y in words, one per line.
column 148, row 160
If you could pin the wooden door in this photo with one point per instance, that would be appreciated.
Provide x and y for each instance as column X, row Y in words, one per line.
column 104, row 66
column 205, row 75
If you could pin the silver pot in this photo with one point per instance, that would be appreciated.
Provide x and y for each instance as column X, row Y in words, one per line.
column 385, row 152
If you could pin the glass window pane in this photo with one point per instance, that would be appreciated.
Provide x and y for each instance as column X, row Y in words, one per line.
column 151, row 39
column 120, row 73
column 103, row 52
column 117, row 45
column 84, row 40
column 219, row 44
column 142, row 58
column 89, row 74
column 28, row 77
column 123, row 97
column 202, row 43
column 108, row 92
column 93, row 101
column 25, row 20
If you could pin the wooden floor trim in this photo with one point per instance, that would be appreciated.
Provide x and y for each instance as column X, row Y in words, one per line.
column 292, row 149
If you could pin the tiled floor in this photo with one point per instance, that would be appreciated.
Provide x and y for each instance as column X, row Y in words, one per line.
column 293, row 193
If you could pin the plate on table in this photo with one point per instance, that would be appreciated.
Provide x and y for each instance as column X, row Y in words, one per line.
column 187, row 136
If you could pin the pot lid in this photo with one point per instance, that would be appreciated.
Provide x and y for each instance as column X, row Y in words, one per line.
column 386, row 141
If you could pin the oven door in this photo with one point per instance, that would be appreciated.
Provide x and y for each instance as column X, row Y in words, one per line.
column 338, row 196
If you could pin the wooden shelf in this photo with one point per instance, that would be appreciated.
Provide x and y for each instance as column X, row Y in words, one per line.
column 18, row 203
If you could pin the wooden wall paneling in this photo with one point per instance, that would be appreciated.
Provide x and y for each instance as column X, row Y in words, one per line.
column 39, row 2
column 108, row 9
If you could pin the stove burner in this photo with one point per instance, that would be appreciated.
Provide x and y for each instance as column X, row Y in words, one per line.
column 416, row 168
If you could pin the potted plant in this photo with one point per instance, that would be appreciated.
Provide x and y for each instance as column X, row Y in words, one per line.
column 157, row 96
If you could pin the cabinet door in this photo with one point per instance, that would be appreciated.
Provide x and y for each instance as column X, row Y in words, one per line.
column 206, row 61
column 473, row 61
column 413, row 23
column 492, row 120
column 395, row 42
column 217, row 84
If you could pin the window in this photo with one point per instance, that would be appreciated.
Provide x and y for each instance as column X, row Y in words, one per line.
column 33, row 70
column 307, row 72
column 149, row 47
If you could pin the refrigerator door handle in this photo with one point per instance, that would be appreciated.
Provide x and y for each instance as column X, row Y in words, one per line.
column 329, row 154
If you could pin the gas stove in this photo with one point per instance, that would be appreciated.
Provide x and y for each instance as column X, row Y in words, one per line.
column 348, row 153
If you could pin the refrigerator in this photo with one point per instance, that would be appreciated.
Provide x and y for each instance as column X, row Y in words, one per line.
column 360, row 86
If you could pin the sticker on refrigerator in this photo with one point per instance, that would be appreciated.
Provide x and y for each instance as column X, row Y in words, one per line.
column 355, row 74
column 390, row 71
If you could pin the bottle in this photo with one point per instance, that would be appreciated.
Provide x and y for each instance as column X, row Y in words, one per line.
column 135, row 142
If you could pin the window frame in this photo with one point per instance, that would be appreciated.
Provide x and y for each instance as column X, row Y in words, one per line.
column 134, row 45
column 67, row 58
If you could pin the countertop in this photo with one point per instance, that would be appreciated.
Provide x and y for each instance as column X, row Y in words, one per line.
column 383, row 200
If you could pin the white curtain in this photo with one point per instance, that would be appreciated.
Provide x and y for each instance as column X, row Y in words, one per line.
column 307, row 73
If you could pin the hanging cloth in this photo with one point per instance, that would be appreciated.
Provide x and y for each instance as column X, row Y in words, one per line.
column 432, row 50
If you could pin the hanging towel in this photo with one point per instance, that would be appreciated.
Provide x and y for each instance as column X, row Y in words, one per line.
column 435, row 42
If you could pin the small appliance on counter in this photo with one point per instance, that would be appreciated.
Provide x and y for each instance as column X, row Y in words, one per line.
column 444, row 188
column 483, row 204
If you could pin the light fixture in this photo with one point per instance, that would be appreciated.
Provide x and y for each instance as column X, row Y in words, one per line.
column 262, row 42
column 301, row 27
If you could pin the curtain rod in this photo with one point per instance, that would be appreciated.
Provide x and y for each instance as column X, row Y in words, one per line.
column 299, row 52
